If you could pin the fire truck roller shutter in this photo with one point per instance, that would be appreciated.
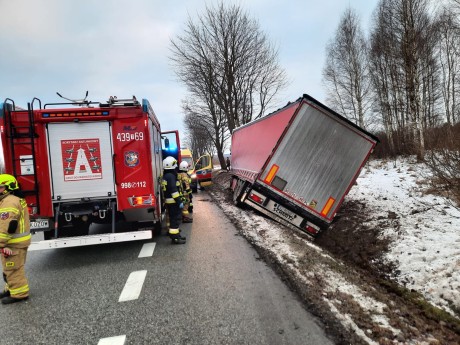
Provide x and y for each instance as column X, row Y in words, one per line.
column 81, row 159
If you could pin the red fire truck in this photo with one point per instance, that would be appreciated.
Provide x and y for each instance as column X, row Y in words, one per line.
column 85, row 162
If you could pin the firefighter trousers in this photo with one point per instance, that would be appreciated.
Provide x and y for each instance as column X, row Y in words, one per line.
column 14, row 273
column 175, row 216
column 185, row 212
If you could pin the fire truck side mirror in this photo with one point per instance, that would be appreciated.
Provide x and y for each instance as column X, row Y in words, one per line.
column 166, row 143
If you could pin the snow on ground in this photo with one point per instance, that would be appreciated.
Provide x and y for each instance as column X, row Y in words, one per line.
column 426, row 241
column 425, row 246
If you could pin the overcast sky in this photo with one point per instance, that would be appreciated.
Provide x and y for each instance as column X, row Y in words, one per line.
column 121, row 47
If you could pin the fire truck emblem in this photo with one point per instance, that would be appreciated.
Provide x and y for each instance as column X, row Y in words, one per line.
column 4, row 215
column 81, row 159
column 131, row 159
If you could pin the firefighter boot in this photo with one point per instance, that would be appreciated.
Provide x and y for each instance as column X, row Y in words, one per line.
column 177, row 239
column 187, row 219
column 5, row 293
column 9, row 300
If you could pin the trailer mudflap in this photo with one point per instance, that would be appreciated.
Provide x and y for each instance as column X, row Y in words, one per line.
column 91, row 240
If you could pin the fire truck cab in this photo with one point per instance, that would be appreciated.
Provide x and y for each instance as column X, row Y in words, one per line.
column 94, row 163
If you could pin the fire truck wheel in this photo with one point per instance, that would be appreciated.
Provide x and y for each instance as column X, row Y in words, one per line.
column 157, row 227
column 48, row 235
column 78, row 228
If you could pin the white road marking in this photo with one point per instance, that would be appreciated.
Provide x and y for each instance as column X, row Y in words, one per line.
column 133, row 286
column 118, row 340
column 147, row 250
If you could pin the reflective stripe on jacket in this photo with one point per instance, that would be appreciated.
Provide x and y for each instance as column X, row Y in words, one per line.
column 169, row 185
column 14, row 208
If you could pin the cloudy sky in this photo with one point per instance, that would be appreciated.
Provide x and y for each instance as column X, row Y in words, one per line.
column 122, row 47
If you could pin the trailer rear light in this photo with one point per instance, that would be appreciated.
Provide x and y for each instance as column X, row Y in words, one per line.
column 256, row 198
column 271, row 173
column 142, row 200
column 312, row 229
column 328, row 206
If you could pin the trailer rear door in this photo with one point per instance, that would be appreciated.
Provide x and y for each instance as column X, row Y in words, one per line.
column 317, row 160
column 81, row 160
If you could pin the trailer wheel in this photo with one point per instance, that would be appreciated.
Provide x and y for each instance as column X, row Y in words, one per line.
column 238, row 191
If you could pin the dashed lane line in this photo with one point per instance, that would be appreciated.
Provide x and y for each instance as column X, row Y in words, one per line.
column 147, row 250
column 118, row 340
column 133, row 286
column 131, row 291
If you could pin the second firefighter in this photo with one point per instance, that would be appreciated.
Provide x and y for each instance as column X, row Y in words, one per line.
column 186, row 190
column 173, row 199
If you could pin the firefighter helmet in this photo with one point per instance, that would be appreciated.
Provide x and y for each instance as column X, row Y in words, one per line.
column 9, row 182
column 169, row 163
column 183, row 166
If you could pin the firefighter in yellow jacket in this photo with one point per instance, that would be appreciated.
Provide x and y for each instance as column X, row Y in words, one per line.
column 14, row 241
column 185, row 181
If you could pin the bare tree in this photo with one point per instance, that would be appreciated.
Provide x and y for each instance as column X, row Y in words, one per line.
column 449, row 57
column 227, row 64
column 197, row 138
column 408, row 56
column 206, row 124
column 346, row 73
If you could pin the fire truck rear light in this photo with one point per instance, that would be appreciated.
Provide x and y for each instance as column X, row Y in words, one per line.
column 32, row 210
column 141, row 200
column 256, row 198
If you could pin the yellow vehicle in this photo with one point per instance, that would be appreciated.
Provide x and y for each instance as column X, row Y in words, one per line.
column 186, row 155
column 200, row 172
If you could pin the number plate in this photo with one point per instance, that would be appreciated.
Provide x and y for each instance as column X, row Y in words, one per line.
column 39, row 224
column 284, row 213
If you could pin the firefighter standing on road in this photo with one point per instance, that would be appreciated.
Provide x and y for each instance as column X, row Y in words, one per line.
column 173, row 199
column 14, row 240
column 185, row 180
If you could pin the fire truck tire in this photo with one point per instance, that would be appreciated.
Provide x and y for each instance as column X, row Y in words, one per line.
column 157, row 227
column 48, row 235
column 79, row 228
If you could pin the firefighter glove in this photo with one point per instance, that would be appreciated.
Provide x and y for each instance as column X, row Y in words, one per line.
column 6, row 252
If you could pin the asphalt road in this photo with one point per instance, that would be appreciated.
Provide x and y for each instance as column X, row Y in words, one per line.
column 212, row 290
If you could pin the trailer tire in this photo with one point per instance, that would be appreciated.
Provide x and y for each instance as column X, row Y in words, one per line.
column 238, row 191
